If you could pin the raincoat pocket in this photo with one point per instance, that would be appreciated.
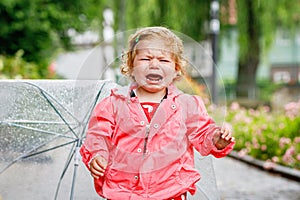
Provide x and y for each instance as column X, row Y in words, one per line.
column 119, row 180
column 187, row 175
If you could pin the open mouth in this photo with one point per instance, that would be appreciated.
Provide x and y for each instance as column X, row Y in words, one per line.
column 154, row 77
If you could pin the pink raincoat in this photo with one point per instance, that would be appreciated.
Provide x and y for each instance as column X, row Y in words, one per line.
column 149, row 160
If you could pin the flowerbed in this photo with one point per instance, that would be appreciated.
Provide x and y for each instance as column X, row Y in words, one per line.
column 272, row 136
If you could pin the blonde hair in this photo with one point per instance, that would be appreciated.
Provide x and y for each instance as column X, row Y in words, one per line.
column 171, row 41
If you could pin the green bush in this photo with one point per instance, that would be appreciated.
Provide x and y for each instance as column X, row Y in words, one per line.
column 267, row 135
column 15, row 67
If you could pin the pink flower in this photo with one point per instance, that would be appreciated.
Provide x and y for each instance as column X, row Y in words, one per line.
column 255, row 143
column 52, row 68
column 275, row 159
column 269, row 165
column 292, row 109
column 266, row 108
column 288, row 156
column 235, row 106
column 248, row 120
column 252, row 111
column 242, row 152
column 283, row 141
column 263, row 147
column 297, row 140
column 290, row 151
column 258, row 131
column 264, row 127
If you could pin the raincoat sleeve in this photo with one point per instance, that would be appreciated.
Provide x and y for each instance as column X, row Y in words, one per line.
column 201, row 129
column 100, row 128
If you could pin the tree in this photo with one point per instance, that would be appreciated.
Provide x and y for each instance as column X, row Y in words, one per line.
column 188, row 17
column 257, row 24
column 40, row 27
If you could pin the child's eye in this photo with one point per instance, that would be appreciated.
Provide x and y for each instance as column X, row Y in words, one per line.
column 164, row 60
column 145, row 59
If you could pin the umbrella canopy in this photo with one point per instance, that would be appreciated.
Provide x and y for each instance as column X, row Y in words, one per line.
column 42, row 125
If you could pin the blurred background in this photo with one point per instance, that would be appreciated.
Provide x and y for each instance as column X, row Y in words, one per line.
column 254, row 45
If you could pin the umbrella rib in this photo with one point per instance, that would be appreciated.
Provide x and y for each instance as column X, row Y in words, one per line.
column 34, row 122
column 62, row 118
column 71, row 154
column 23, row 155
column 38, row 130
column 46, row 150
column 54, row 99
column 44, row 93
column 88, row 114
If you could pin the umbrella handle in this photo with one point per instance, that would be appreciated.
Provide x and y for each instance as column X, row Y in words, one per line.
column 77, row 156
column 76, row 163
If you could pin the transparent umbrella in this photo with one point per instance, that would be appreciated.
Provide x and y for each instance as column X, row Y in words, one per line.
column 42, row 125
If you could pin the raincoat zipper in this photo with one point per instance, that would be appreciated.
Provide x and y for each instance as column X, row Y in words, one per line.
column 147, row 130
column 146, row 138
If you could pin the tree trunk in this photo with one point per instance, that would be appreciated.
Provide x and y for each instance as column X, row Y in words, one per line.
column 249, row 59
column 246, row 82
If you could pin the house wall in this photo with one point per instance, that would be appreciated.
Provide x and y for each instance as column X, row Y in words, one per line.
column 285, row 52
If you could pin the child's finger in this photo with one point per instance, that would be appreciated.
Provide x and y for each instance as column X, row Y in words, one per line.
column 98, row 167
column 95, row 173
column 232, row 139
column 96, row 170
column 101, row 162
column 226, row 134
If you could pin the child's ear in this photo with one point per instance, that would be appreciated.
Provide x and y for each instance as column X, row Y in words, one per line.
column 177, row 75
column 178, row 71
column 132, row 77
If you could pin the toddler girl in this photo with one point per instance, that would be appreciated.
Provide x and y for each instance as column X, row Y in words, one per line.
column 140, row 140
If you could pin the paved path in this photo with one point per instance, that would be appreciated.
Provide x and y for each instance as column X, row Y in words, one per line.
column 239, row 181
column 236, row 181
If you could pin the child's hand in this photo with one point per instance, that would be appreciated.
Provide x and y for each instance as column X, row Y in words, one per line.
column 98, row 166
column 222, row 138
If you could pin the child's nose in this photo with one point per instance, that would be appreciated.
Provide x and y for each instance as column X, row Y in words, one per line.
column 154, row 63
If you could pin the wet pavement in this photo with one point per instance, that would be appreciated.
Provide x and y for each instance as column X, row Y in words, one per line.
column 237, row 180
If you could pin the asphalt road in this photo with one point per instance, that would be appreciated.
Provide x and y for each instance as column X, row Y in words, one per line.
column 239, row 181
column 235, row 180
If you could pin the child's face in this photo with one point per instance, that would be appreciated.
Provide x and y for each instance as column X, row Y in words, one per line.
column 153, row 66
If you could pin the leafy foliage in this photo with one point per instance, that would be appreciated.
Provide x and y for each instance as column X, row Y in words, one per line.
column 188, row 17
column 40, row 27
column 15, row 67
column 267, row 135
